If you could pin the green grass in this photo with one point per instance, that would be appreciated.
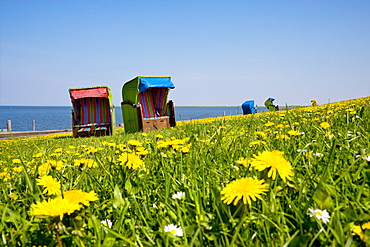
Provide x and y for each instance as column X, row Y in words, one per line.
column 331, row 174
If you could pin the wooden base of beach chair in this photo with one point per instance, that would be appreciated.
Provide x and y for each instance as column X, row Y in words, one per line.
column 154, row 124
column 81, row 132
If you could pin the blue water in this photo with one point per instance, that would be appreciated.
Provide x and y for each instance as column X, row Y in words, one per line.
column 59, row 117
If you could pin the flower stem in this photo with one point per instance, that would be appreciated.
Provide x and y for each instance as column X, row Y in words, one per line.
column 58, row 239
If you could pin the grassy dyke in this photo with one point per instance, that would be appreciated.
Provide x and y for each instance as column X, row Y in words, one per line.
column 327, row 145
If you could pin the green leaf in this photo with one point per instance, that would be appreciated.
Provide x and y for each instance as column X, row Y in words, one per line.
column 323, row 199
column 301, row 241
column 117, row 200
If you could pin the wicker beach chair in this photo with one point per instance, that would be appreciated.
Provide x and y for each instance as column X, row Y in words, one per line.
column 92, row 111
column 145, row 104
column 248, row 107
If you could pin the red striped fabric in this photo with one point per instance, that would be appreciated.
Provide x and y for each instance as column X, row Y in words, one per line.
column 146, row 102
column 93, row 110
column 161, row 96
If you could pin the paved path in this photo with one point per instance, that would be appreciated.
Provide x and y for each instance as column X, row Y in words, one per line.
column 19, row 134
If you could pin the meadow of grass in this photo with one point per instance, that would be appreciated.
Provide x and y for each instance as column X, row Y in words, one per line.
column 288, row 178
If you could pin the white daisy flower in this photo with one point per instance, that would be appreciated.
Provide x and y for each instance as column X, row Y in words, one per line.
column 319, row 214
column 367, row 158
column 318, row 154
column 178, row 195
column 174, row 230
column 107, row 223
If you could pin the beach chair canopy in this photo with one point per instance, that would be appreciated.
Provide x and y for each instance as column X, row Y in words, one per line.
column 150, row 82
column 96, row 92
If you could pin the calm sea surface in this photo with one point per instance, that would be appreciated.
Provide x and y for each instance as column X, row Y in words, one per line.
column 59, row 117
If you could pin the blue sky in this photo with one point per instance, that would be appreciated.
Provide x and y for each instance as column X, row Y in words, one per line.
column 217, row 52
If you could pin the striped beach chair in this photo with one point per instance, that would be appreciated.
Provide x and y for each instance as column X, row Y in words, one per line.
column 92, row 112
column 145, row 104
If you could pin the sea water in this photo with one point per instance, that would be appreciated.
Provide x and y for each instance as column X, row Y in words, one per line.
column 59, row 117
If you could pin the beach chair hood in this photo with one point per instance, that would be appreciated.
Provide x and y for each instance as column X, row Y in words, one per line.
column 79, row 93
column 148, row 82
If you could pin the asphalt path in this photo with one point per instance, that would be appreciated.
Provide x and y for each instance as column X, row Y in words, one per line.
column 20, row 134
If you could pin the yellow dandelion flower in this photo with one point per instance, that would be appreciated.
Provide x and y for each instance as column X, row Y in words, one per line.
column 274, row 161
column 44, row 168
column 87, row 162
column 162, row 144
column 90, row 150
column 52, row 186
column 242, row 161
column 37, row 155
column 58, row 165
column 55, row 207
column 325, row 125
column 130, row 160
column 294, row 133
column 268, row 124
column 282, row 136
column 360, row 230
column 78, row 196
column 159, row 136
column 141, row 151
column 91, row 163
column 186, row 148
column 110, row 144
column 261, row 134
column 16, row 161
column 329, row 135
column 176, row 147
column 18, row 169
column 244, row 188
column 257, row 143
column 134, row 143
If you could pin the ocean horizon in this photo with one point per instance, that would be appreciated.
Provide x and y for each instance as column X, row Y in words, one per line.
column 59, row 117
